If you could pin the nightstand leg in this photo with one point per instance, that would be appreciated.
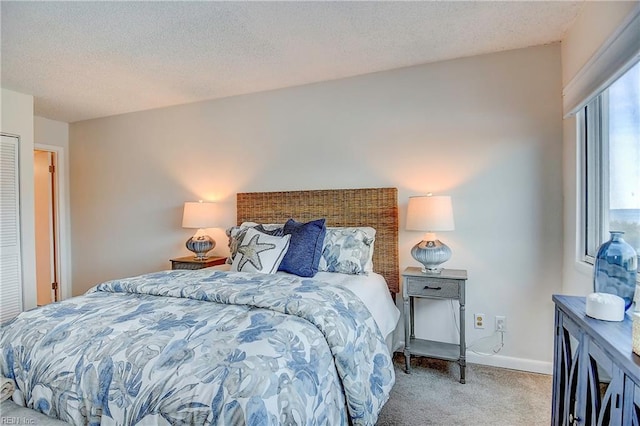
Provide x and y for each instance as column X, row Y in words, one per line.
column 407, row 348
column 413, row 335
column 463, row 343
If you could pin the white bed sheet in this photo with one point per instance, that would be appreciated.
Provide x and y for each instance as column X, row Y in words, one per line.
column 372, row 289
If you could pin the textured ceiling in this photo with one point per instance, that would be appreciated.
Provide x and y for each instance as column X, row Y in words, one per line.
column 84, row 60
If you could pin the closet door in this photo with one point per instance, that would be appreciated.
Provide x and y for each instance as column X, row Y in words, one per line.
column 10, row 261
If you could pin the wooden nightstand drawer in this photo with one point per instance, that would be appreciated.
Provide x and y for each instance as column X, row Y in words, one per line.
column 189, row 266
column 190, row 263
column 439, row 288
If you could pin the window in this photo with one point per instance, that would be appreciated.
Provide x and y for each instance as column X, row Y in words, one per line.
column 610, row 131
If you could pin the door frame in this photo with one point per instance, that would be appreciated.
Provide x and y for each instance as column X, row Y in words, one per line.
column 62, row 206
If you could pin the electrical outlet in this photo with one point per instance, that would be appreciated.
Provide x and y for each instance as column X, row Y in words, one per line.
column 478, row 320
column 501, row 323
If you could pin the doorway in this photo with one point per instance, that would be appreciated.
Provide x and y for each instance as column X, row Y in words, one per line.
column 46, row 226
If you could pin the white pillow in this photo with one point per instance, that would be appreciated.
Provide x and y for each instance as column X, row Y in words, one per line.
column 260, row 252
column 236, row 234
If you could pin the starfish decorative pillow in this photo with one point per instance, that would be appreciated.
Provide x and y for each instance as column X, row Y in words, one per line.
column 260, row 252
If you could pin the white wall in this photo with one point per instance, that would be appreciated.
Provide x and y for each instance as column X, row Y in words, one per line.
column 487, row 130
column 51, row 132
column 17, row 119
column 591, row 29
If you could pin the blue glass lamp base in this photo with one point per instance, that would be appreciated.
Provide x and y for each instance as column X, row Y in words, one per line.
column 200, row 245
column 431, row 254
column 615, row 269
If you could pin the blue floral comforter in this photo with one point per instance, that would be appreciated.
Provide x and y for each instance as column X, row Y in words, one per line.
column 201, row 347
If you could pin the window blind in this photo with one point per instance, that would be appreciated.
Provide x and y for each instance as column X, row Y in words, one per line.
column 10, row 261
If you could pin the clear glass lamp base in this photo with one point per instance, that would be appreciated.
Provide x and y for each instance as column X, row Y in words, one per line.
column 426, row 270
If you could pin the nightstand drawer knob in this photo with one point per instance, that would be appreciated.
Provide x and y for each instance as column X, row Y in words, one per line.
column 428, row 287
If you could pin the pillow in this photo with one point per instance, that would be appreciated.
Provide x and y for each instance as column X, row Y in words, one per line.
column 236, row 234
column 348, row 250
column 260, row 252
column 305, row 247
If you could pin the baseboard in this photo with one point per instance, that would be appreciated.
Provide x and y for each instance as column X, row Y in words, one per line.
column 501, row 361
column 523, row 364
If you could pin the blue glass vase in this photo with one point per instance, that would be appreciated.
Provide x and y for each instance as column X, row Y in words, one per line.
column 616, row 269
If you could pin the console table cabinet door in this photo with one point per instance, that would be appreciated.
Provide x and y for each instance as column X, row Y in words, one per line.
column 595, row 373
column 605, row 387
column 631, row 403
column 566, row 383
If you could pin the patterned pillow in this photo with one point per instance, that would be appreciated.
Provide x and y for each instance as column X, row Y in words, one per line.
column 348, row 250
column 260, row 252
column 236, row 234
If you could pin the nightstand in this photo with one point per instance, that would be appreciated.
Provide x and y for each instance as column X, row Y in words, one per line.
column 188, row 262
column 448, row 284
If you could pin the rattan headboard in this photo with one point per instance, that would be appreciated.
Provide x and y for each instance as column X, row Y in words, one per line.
column 375, row 207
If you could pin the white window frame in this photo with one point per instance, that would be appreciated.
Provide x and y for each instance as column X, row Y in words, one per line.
column 593, row 138
column 612, row 59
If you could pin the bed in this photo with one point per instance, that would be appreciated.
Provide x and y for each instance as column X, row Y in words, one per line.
column 219, row 347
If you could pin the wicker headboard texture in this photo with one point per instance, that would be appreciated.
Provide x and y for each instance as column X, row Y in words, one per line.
column 375, row 207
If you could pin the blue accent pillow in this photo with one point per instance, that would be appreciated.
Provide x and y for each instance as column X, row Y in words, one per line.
column 305, row 247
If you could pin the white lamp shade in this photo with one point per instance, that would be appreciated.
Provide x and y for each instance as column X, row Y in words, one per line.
column 198, row 215
column 430, row 213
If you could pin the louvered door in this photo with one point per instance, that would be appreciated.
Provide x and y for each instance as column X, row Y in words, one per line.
column 10, row 260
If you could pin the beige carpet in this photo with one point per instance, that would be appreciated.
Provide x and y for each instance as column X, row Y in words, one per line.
column 433, row 395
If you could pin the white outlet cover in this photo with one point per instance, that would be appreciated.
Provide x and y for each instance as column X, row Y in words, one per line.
column 501, row 323
column 478, row 320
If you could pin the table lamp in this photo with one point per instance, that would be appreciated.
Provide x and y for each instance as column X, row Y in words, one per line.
column 430, row 213
column 199, row 215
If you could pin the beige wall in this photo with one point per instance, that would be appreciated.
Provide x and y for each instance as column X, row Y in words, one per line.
column 486, row 130
column 17, row 118
column 597, row 22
